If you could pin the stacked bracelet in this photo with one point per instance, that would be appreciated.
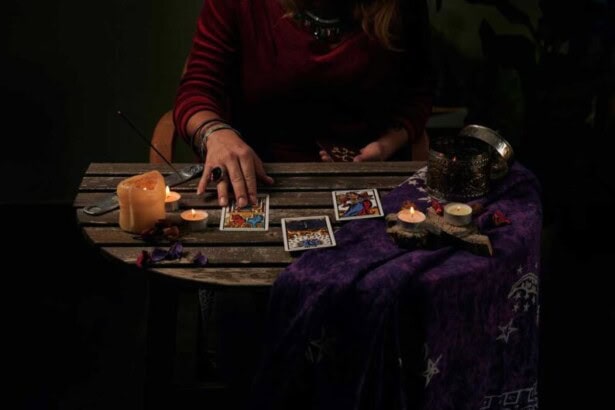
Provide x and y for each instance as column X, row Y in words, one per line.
column 210, row 130
column 200, row 127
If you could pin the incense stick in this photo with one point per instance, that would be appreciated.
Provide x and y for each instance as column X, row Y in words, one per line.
column 144, row 138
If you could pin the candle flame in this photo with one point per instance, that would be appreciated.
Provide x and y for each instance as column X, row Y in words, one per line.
column 411, row 210
column 193, row 213
column 168, row 191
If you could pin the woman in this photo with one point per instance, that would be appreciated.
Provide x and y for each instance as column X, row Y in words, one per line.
column 279, row 80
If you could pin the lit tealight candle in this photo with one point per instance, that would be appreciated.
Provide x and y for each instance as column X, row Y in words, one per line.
column 196, row 220
column 457, row 214
column 171, row 201
column 411, row 219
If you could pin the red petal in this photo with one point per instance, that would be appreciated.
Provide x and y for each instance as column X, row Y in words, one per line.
column 500, row 219
column 143, row 259
column 437, row 207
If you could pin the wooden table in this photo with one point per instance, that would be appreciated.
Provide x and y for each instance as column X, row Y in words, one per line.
column 236, row 259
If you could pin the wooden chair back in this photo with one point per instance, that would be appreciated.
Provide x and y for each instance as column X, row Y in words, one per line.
column 163, row 139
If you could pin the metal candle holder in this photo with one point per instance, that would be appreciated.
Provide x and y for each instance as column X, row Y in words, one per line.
column 461, row 168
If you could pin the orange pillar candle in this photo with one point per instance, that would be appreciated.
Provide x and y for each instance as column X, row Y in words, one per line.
column 196, row 220
column 171, row 201
column 141, row 199
column 410, row 219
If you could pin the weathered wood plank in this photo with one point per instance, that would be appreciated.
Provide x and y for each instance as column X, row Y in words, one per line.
column 249, row 277
column 274, row 169
column 275, row 215
column 189, row 199
column 113, row 236
column 282, row 183
column 223, row 255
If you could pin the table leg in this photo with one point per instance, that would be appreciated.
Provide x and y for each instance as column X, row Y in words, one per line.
column 160, row 348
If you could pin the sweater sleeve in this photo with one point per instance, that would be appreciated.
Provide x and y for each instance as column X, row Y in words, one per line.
column 205, row 84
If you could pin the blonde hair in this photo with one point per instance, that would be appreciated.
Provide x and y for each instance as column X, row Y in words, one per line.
column 379, row 19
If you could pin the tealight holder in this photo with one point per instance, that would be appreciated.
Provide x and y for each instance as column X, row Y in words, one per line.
column 457, row 214
column 195, row 220
column 171, row 201
column 410, row 219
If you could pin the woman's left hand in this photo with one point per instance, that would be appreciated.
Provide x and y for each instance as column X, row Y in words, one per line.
column 384, row 147
column 371, row 152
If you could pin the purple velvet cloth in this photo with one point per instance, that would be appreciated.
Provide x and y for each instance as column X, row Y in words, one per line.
column 368, row 325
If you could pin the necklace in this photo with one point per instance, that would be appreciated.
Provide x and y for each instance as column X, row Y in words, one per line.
column 322, row 29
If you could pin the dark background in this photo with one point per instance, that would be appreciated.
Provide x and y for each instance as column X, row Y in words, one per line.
column 541, row 72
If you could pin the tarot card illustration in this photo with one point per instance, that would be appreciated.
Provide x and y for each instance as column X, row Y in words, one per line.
column 356, row 204
column 307, row 233
column 249, row 218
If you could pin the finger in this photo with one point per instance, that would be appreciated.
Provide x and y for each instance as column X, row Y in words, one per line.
column 200, row 189
column 222, row 187
column 249, row 176
column 325, row 157
column 261, row 173
column 238, row 182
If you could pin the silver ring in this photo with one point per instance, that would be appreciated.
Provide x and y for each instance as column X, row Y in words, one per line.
column 217, row 174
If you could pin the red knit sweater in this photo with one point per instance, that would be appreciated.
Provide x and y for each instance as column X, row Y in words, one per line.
column 283, row 89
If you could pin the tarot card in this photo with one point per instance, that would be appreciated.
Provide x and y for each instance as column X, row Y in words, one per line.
column 339, row 152
column 356, row 204
column 312, row 232
column 249, row 218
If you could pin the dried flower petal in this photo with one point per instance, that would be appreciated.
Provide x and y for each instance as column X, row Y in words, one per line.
column 200, row 259
column 176, row 251
column 164, row 229
column 500, row 219
column 143, row 260
column 147, row 235
column 163, row 223
column 437, row 206
column 158, row 254
column 171, row 232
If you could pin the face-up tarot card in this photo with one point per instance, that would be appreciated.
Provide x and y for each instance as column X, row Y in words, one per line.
column 356, row 204
column 249, row 218
column 307, row 233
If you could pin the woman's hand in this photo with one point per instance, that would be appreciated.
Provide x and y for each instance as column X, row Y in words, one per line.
column 384, row 147
column 243, row 167
column 374, row 151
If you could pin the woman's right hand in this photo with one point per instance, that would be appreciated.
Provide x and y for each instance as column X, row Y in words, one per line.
column 243, row 167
